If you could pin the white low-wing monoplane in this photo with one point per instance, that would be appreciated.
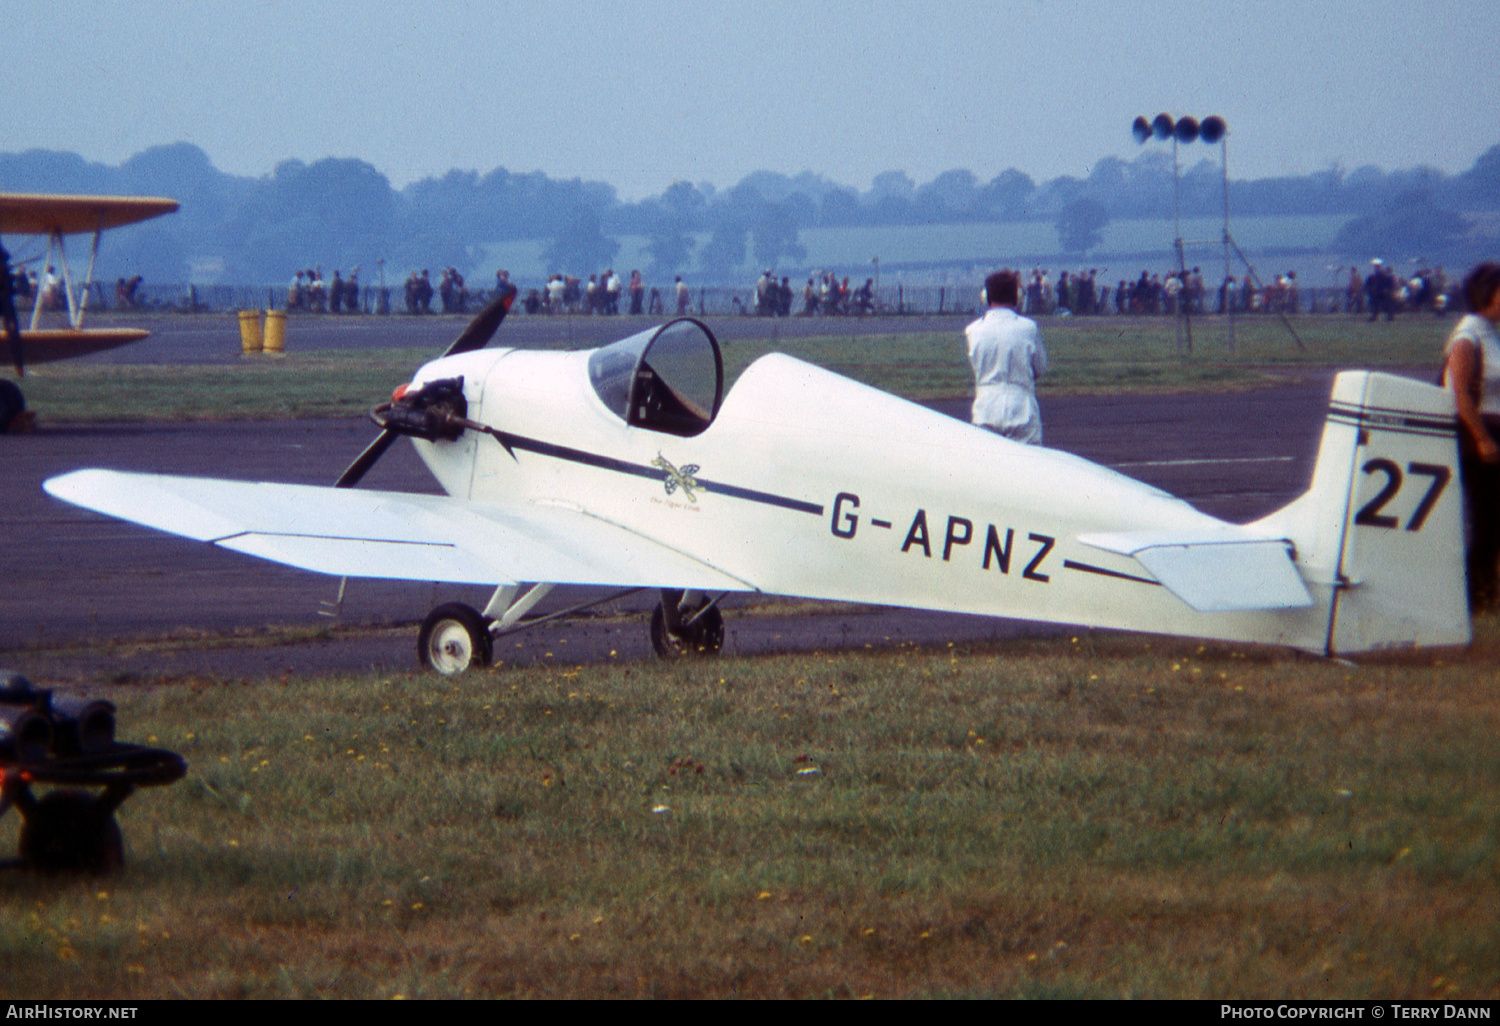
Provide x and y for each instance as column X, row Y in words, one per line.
column 629, row 466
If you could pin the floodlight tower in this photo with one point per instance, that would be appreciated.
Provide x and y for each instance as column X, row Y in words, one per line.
column 1182, row 131
column 1212, row 130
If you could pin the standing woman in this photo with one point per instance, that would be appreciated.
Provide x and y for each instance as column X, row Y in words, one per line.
column 1472, row 370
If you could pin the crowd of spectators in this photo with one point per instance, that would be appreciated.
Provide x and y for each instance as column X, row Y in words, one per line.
column 1173, row 293
column 451, row 292
column 827, row 295
column 25, row 285
column 602, row 294
column 1384, row 292
column 824, row 294
column 309, row 292
column 1080, row 293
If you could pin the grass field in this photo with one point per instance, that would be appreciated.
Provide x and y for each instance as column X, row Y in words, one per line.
column 1101, row 817
column 1106, row 816
column 1088, row 354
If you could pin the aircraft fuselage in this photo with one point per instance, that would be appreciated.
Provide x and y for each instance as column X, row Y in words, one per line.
column 809, row 484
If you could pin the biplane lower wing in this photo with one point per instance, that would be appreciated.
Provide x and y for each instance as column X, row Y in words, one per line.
column 393, row 535
column 51, row 345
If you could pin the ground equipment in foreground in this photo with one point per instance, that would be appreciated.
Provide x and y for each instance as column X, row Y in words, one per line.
column 68, row 745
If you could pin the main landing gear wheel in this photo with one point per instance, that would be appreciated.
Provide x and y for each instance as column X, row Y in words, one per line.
column 12, row 404
column 703, row 636
column 72, row 831
column 454, row 639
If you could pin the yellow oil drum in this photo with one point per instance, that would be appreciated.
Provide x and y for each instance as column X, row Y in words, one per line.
column 250, row 340
column 275, row 338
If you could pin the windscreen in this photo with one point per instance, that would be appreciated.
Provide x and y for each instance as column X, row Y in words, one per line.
column 612, row 369
column 667, row 379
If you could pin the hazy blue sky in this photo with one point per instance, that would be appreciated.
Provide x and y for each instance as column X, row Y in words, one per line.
column 645, row 93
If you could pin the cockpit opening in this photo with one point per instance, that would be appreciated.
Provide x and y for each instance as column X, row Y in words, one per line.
column 668, row 378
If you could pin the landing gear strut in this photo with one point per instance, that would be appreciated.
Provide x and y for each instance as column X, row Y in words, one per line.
column 686, row 624
column 456, row 638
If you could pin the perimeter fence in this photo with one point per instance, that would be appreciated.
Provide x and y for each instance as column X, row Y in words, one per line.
column 704, row 301
column 375, row 300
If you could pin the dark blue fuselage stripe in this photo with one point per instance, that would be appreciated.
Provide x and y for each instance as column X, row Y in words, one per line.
column 590, row 459
column 1380, row 418
column 1089, row 568
column 734, row 491
column 1368, row 424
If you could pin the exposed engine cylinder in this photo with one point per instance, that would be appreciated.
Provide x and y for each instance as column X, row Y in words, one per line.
column 435, row 411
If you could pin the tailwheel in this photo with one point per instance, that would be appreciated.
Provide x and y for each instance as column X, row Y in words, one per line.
column 72, row 831
column 455, row 639
column 701, row 632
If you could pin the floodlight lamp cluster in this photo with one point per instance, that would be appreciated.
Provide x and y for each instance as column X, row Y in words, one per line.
column 1185, row 129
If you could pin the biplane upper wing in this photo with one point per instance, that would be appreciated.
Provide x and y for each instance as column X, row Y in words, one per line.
column 36, row 214
column 393, row 535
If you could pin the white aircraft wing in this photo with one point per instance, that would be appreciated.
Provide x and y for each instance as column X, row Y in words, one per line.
column 393, row 535
column 1215, row 572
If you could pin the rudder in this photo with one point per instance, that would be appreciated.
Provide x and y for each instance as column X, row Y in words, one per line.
column 1382, row 525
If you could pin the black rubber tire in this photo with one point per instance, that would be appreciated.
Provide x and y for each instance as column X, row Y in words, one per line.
column 704, row 636
column 72, row 832
column 454, row 639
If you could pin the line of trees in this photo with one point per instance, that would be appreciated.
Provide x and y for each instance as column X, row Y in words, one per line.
column 342, row 212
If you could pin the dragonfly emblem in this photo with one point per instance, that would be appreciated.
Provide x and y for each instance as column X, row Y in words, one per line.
column 678, row 478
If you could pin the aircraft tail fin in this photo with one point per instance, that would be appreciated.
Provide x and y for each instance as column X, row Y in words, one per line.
column 1382, row 527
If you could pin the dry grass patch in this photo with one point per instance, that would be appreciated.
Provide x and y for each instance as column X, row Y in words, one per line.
column 1107, row 816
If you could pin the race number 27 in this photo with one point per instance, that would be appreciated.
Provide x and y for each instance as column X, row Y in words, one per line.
column 1371, row 515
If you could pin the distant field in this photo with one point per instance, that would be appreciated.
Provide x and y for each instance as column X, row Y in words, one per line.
column 1103, row 817
column 983, row 244
column 1088, row 354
